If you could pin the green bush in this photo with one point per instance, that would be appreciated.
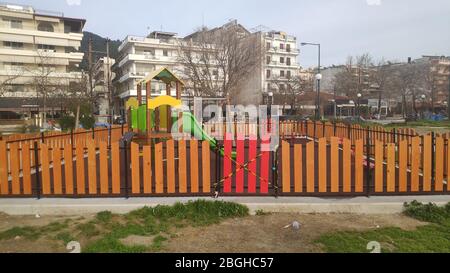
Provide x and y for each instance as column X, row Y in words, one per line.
column 427, row 212
column 67, row 123
column 87, row 121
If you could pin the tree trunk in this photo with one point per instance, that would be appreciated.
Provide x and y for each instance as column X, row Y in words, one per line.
column 77, row 117
column 379, row 105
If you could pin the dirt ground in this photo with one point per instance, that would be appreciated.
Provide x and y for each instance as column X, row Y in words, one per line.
column 252, row 234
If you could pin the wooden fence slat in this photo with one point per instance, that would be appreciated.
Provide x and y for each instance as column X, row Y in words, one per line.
column 264, row 165
column 390, row 173
column 334, row 143
column 26, row 168
column 347, row 165
column 415, row 163
column 170, row 166
column 92, row 167
column 439, row 162
column 286, row 166
column 57, row 178
column 252, row 154
column 182, row 165
column 194, row 166
column 159, row 171
column 135, row 170
column 115, row 167
column 147, row 179
column 403, row 166
column 448, row 164
column 298, row 168
column 4, row 189
column 240, row 158
column 45, row 169
column 322, row 161
column 379, row 158
column 359, row 165
column 310, row 171
column 427, row 152
column 80, row 169
column 206, row 167
column 228, row 146
column 68, row 169
column 104, row 178
column 15, row 167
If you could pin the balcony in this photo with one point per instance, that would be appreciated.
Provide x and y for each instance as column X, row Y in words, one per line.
column 293, row 51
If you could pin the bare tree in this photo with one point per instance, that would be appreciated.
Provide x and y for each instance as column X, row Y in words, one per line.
column 6, row 81
column 45, row 80
column 289, row 89
column 216, row 61
column 407, row 81
column 379, row 78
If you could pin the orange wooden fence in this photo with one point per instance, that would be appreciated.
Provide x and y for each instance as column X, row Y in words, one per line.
column 335, row 166
column 326, row 166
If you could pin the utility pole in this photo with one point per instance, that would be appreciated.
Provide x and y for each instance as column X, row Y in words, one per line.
column 90, row 66
column 108, row 78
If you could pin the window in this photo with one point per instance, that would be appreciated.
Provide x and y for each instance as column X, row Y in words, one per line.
column 216, row 73
column 281, row 46
column 13, row 23
column 288, row 47
column 288, row 61
column 14, row 66
column 47, row 48
column 268, row 59
column 165, row 53
column 13, row 45
column 268, row 45
column 282, row 73
column 268, row 74
column 281, row 60
column 288, row 74
column 45, row 26
column 282, row 87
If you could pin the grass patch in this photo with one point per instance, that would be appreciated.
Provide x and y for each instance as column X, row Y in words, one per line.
column 159, row 220
column 261, row 212
column 104, row 216
column 65, row 236
column 88, row 230
column 431, row 238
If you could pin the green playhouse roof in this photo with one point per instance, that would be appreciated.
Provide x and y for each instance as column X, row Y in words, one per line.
column 163, row 74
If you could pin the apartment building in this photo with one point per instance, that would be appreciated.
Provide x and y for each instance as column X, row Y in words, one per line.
column 36, row 47
column 438, row 77
column 141, row 55
column 102, row 81
column 281, row 60
column 138, row 56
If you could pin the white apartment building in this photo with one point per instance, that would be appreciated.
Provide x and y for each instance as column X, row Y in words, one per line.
column 102, row 81
column 141, row 55
column 36, row 44
column 138, row 56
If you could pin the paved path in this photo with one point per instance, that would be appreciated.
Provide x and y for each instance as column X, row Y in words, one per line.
column 364, row 205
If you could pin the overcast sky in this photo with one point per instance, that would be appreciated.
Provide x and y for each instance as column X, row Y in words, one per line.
column 393, row 29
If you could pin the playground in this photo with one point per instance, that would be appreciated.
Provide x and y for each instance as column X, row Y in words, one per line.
column 165, row 151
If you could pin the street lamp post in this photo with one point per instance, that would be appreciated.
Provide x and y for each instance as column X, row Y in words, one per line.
column 318, row 78
column 423, row 97
column 358, row 104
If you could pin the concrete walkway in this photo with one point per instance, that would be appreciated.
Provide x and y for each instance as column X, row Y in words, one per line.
column 363, row 205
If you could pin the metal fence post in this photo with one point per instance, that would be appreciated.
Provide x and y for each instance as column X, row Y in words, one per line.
column 36, row 166
column 123, row 128
column 125, row 146
column 315, row 129
column 218, row 177
column 42, row 137
column 71, row 137
column 334, row 128
column 93, row 133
